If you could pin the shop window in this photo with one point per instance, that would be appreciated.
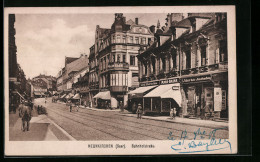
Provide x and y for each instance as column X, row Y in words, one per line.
column 132, row 60
column 124, row 58
column 203, row 55
column 188, row 59
column 223, row 51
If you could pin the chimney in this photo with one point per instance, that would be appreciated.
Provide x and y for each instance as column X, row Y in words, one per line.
column 136, row 21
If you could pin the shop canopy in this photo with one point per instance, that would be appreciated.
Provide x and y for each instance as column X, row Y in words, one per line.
column 63, row 96
column 167, row 91
column 37, row 93
column 174, row 94
column 141, row 90
column 69, row 96
column 103, row 95
column 76, row 97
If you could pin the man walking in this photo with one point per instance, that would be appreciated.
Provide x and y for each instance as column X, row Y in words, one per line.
column 26, row 115
column 139, row 111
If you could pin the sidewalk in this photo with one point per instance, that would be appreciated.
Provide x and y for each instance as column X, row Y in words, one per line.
column 41, row 129
column 195, row 122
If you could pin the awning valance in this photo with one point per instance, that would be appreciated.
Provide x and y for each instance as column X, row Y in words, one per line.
column 76, row 97
column 158, row 91
column 141, row 90
column 103, row 95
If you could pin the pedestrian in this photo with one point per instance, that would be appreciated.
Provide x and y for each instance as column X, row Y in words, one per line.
column 121, row 106
column 70, row 104
column 26, row 115
column 38, row 109
column 139, row 111
column 171, row 113
column 78, row 106
column 106, row 105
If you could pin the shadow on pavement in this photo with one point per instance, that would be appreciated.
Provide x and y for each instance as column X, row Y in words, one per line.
column 37, row 132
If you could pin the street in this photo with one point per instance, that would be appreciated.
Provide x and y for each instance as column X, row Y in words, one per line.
column 87, row 124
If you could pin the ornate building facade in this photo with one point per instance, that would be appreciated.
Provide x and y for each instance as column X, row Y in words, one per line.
column 187, row 66
column 114, row 59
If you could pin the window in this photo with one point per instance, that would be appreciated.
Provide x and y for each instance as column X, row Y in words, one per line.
column 131, row 40
column 143, row 40
column 188, row 59
column 118, row 57
column 132, row 60
column 137, row 40
column 124, row 56
column 203, row 55
column 124, row 39
column 118, row 39
column 222, row 51
column 113, row 39
column 114, row 58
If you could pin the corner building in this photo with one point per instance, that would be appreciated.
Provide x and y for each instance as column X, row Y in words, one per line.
column 115, row 57
column 190, row 55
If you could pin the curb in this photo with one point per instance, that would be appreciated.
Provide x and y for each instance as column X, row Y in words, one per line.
column 171, row 121
column 62, row 130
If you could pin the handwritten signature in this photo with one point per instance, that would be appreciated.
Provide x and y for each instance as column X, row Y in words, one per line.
column 200, row 142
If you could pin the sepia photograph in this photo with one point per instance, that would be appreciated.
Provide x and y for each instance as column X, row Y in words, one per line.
column 120, row 80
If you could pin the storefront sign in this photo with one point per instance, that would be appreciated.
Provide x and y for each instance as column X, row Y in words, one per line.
column 196, row 79
column 149, row 83
column 169, row 81
column 217, row 99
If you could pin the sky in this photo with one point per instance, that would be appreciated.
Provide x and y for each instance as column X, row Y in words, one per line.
column 43, row 40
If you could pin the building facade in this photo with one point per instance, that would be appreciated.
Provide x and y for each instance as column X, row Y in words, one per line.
column 115, row 57
column 190, row 55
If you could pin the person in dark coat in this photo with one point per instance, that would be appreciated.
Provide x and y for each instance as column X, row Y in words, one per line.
column 139, row 111
column 121, row 106
column 26, row 115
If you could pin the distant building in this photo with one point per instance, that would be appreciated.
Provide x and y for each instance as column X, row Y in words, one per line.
column 113, row 62
column 187, row 67
column 43, row 85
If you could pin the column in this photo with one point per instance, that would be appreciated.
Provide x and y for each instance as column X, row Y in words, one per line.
column 151, row 67
column 140, row 70
column 160, row 64
column 177, row 60
column 148, row 69
column 167, row 63
column 183, row 109
column 171, row 62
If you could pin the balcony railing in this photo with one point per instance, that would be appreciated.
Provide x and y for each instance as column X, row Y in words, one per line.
column 118, row 66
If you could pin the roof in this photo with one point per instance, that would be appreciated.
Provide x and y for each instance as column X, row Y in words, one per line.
column 70, row 59
column 78, row 64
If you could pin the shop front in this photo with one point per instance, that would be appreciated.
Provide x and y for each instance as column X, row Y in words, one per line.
column 102, row 99
column 204, row 96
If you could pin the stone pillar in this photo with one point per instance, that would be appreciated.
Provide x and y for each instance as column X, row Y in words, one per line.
column 217, row 56
column 125, row 99
column 183, row 60
column 151, row 67
column 171, row 62
column 183, row 110
column 198, row 64
column 178, row 60
column 160, row 64
column 113, row 102
column 167, row 63
column 148, row 69
column 140, row 70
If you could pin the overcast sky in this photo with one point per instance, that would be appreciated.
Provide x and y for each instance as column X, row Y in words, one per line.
column 43, row 40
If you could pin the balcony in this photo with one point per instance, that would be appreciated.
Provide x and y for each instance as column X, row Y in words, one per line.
column 118, row 88
column 118, row 66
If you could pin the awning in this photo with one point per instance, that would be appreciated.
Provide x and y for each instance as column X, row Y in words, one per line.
column 20, row 95
column 63, row 96
column 174, row 94
column 69, row 96
column 37, row 93
column 157, row 92
column 103, row 95
column 141, row 90
column 76, row 97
